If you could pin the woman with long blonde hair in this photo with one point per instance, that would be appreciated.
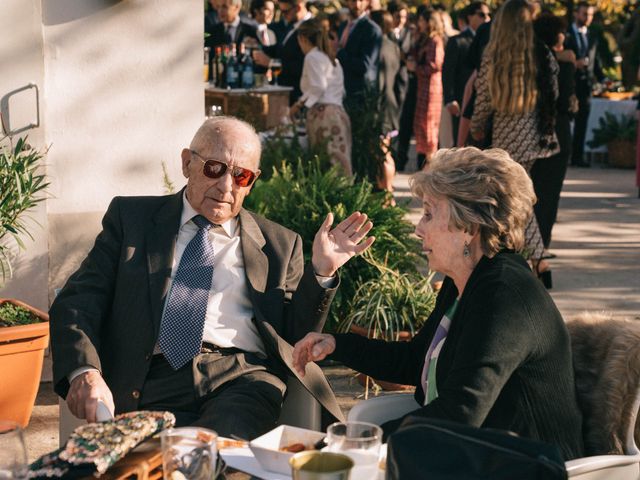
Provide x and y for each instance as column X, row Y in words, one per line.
column 517, row 87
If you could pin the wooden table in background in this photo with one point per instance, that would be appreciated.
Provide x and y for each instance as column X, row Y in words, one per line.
column 262, row 107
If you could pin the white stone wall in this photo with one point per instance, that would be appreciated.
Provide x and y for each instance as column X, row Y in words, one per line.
column 121, row 92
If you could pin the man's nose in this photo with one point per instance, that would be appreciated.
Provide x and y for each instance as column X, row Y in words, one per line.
column 225, row 182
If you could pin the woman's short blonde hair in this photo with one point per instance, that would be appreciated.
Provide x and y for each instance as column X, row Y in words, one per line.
column 486, row 191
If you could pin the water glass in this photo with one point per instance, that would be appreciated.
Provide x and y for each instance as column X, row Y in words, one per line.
column 189, row 453
column 13, row 453
column 361, row 442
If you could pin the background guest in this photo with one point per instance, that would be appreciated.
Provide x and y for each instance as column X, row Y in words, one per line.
column 548, row 173
column 390, row 101
column 360, row 41
column 322, row 86
column 584, row 46
column 231, row 28
column 262, row 12
column 456, row 70
column 498, row 353
column 403, row 32
column 428, row 53
column 517, row 87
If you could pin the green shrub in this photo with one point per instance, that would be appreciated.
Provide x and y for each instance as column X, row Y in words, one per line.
column 300, row 195
column 13, row 315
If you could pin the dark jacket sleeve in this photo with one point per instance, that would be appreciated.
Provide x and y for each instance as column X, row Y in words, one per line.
column 451, row 59
column 80, row 310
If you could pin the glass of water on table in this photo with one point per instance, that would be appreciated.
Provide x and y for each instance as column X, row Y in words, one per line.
column 360, row 441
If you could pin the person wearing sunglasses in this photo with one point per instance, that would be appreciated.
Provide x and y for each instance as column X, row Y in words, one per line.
column 191, row 304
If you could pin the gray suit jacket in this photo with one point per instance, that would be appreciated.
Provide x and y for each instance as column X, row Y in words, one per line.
column 108, row 314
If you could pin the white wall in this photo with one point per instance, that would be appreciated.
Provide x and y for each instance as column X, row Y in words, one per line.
column 121, row 92
column 21, row 63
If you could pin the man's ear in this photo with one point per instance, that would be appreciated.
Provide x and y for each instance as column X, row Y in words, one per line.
column 186, row 160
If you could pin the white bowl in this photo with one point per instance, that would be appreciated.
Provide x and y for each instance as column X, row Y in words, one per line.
column 266, row 448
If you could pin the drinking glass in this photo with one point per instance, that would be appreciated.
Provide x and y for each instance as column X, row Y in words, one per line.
column 207, row 51
column 275, row 64
column 13, row 454
column 189, row 452
column 361, row 442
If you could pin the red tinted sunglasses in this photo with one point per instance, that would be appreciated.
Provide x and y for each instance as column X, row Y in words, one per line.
column 243, row 177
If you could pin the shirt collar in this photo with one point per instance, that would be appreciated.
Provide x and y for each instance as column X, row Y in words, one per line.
column 306, row 17
column 234, row 24
column 188, row 212
column 583, row 30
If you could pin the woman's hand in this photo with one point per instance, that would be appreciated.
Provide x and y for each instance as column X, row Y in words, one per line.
column 313, row 347
column 294, row 109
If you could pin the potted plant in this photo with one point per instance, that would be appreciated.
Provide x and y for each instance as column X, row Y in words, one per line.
column 392, row 307
column 24, row 330
column 619, row 135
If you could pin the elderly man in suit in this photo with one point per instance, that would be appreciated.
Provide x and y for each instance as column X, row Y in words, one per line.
column 189, row 303
column 232, row 27
column 456, row 70
column 584, row 45
column 359, row 52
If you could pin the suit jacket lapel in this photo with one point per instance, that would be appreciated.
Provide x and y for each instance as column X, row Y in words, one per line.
column 256, row 264
column 161, row 242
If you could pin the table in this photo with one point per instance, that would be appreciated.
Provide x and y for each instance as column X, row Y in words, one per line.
column 262, row 107
column 598, row 107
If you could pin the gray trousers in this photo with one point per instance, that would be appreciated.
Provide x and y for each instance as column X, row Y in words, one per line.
column 227, row 390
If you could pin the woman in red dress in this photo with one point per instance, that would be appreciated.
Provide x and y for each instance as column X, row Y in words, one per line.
column 428, row 56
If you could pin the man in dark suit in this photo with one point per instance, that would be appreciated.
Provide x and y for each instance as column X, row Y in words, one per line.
column 584, row 46
column 287, row 49
column 456, row 70
column 406, row 82
column 189, row 303
column 231, row 28
column 360, row 42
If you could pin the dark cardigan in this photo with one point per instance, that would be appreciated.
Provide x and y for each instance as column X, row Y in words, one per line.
column 506, row 362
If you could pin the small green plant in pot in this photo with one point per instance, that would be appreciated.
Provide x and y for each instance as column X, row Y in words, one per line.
column 391, row 307
column 619, row 136
column 24, row 330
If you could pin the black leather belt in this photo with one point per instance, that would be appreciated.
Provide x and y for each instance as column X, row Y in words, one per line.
column 212, row 348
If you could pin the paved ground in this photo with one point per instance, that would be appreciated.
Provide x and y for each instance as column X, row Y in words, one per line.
column 597, row 243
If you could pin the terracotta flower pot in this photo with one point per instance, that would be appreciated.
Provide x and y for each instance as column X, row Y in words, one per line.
column 21, row 356
column 386, row 386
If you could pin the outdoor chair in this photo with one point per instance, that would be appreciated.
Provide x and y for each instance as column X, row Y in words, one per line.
column 606, row 358
column 300, row 409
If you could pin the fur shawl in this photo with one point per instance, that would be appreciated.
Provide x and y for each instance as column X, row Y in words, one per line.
column 606, row 361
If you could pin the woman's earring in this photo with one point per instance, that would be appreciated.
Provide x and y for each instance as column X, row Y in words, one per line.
column 466, row 252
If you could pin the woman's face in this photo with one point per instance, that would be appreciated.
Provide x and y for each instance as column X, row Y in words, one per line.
column 442, row 244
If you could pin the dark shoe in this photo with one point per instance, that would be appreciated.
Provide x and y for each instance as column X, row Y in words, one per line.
column 547, row 255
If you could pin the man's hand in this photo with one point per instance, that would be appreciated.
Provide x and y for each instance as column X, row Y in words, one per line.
column 582, row 63
column 261, row 58
column 333, row 248
column 313, row 347
column 85, row 391
column 453, row 108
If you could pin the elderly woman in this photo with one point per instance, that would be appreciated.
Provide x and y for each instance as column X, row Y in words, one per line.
column 495, row 351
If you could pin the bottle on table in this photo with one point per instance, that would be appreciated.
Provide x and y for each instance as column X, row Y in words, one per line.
column 246, row 67
column 231, row 68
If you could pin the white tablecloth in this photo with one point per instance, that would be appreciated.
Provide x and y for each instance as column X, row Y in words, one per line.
column 598, row 107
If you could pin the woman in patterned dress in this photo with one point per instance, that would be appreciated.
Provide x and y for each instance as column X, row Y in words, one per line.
column 322, row 86
column 517, row 87
column 428, row 57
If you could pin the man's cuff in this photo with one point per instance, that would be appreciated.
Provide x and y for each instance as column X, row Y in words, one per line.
column 326, row 282
column 79, row 371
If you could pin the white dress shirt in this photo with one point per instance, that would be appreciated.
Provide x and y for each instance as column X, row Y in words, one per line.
column 321, row 81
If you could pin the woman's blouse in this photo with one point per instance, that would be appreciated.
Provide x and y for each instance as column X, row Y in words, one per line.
column 321, row 82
